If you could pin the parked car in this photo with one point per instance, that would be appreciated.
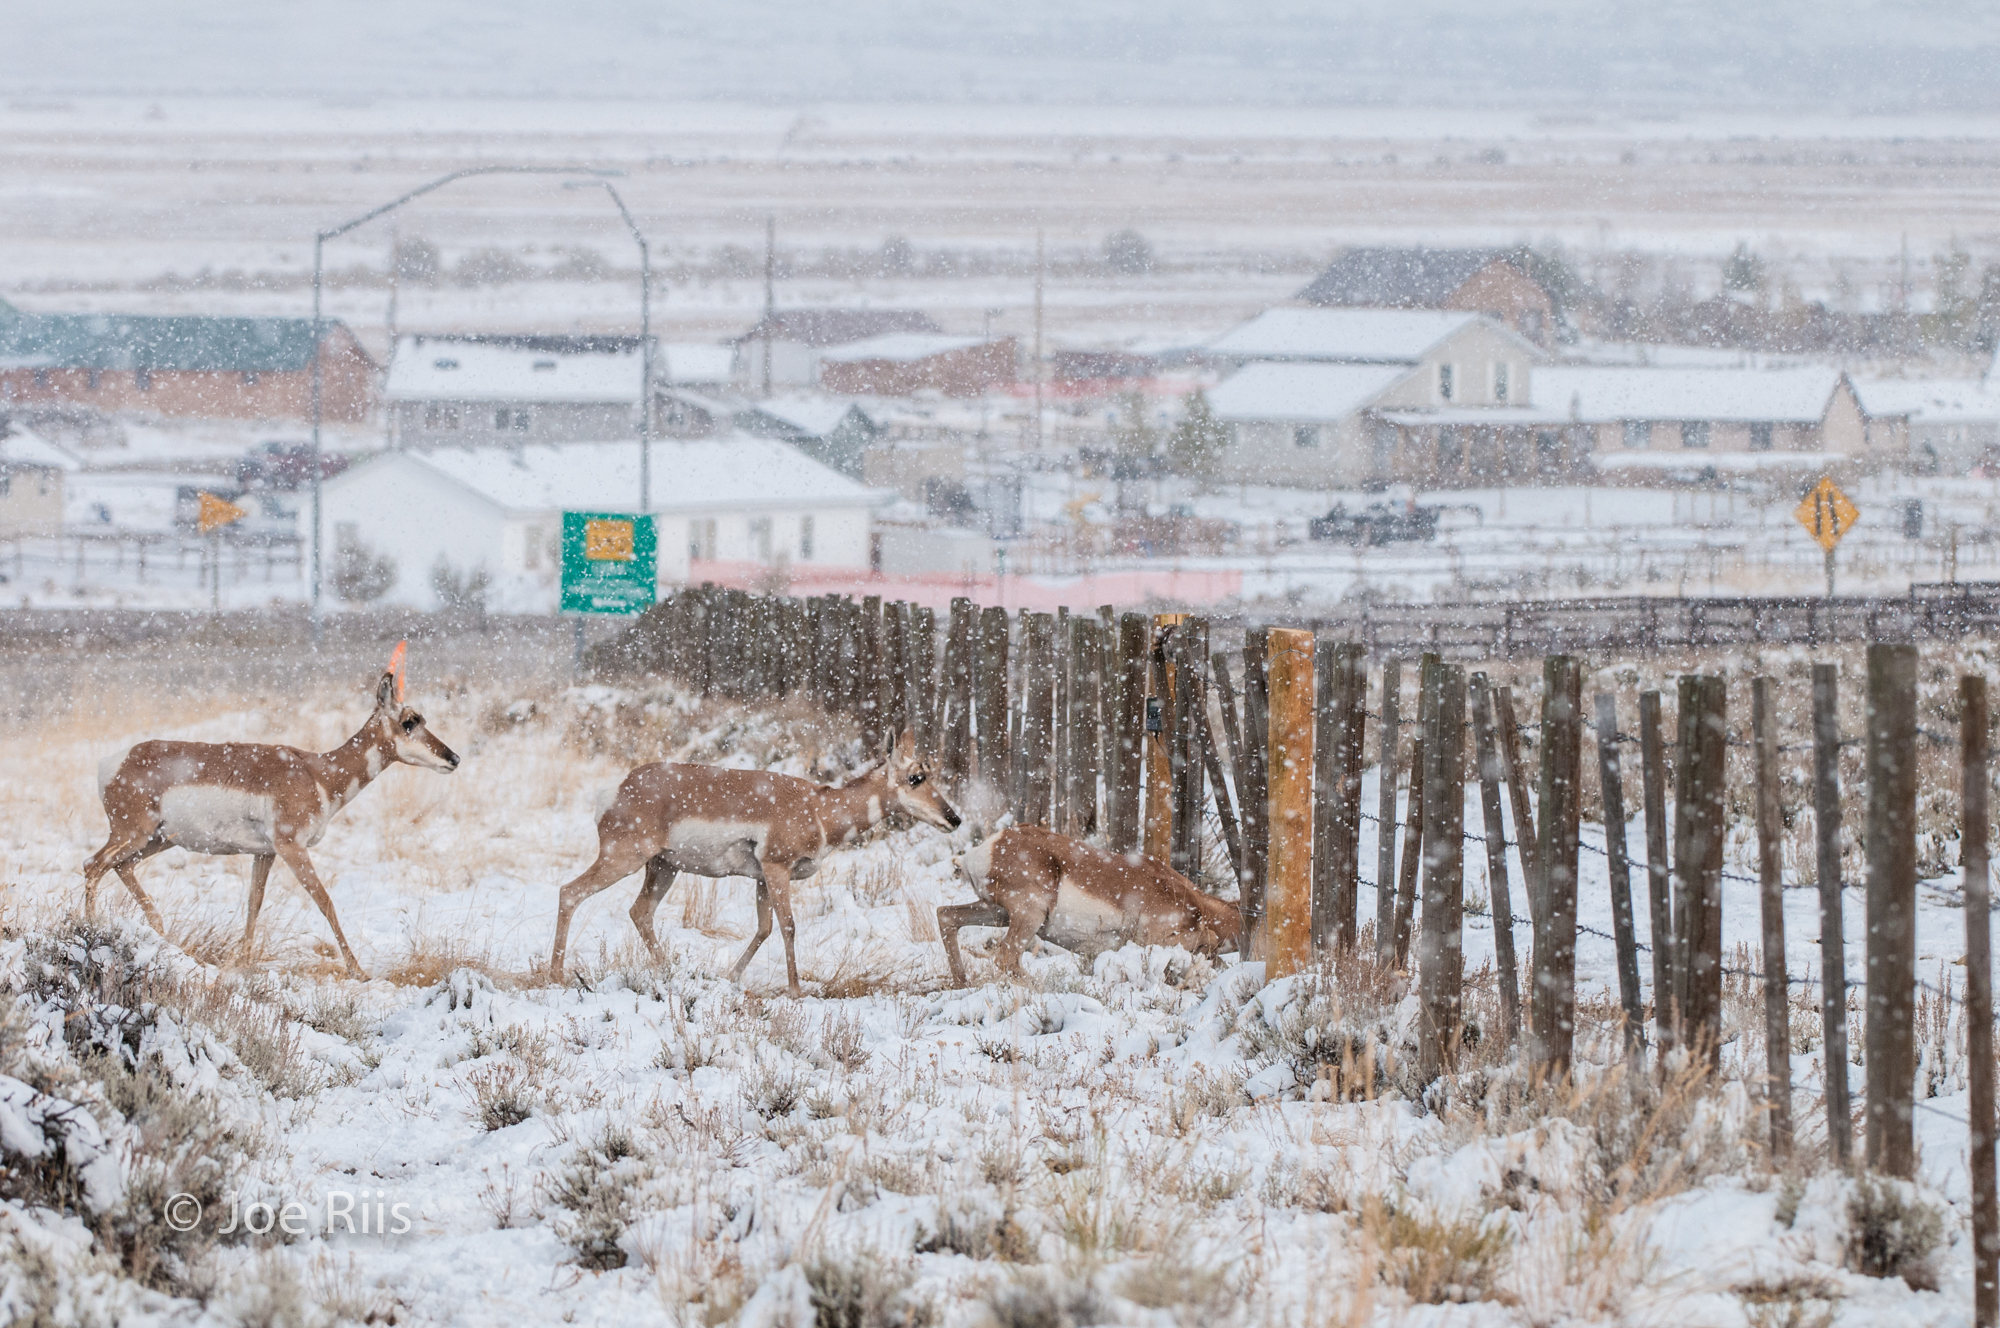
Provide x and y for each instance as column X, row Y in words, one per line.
column 1377, row 523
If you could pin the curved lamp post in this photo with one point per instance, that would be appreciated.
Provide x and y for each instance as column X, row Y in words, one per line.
column 319, row 325
column 645, row 338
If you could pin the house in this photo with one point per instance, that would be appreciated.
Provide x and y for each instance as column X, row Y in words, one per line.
column 445, row 514
column 32, row 470
column 1307, row 404
column 833, row 432
column 902, row 364
column 1493, row 282
column 1660, row 424
column 783, row 350
column 703, row 366
column 457, row 390
column 182, row 365
column 1935, row 425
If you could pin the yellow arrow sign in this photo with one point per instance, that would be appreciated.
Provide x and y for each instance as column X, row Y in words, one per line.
column 217, row 512
column 1826, row 513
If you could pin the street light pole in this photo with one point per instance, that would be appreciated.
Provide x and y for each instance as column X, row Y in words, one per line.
column 645, row 339
column 319, row 323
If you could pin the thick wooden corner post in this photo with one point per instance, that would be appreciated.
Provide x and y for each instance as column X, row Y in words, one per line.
column 1288, row 921
column 1553, row 1006
column 1441, row 948
column 1892, row 909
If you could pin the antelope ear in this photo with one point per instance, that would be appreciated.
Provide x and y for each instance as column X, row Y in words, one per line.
column 906, row 748
column 385, row 691
column 396, row 668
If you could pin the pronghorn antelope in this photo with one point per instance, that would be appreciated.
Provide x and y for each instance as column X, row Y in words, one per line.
column 242, row 797
column 712, row 822
column 1037, row 883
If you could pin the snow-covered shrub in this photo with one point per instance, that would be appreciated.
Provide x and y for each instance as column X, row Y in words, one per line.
column 1891, row 1232
column 1437, row 1260
column 598, row 1186
column 863, row 1288
column 1041, row 1298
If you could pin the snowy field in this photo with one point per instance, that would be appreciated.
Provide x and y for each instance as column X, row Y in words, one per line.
column 1133, row 1140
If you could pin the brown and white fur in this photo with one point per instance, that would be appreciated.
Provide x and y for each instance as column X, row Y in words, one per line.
column 1037, row 883
column 240, row 797
column 713, row 822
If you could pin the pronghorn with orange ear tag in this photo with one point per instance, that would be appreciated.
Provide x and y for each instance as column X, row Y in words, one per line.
column 712, row 822
column 242, row 797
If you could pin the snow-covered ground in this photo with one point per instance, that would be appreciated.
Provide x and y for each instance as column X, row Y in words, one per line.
column 1127, row 1140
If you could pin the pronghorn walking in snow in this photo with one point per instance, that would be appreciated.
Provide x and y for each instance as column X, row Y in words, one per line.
column 1037, row 883
column 242, row 797
column 712, row 822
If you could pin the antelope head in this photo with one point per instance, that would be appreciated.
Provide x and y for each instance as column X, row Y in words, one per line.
column 405, row 737
column 913, row 788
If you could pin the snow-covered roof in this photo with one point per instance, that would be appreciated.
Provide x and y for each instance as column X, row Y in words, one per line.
column 424, row 369
column 1605, row 396
column 1682, row 459
column 693, row 362
column 1360, row 336
column 813, row 415
column 730, row 473
column 24, row 447
column 898, row 346
column 1301, row 392
column 1933, row 400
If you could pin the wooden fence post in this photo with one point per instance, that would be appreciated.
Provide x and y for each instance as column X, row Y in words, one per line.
column 1288, row 925
column 954, row 722
column 1413, row 848
column 1892, row 898
column 1659, row 881
column 1527, row 835
column 1771, row 903
column 1255, row 788
column 1560, row 789
column 1979, row 1000
column 990, row 701
column 1190, row 645
column 1125, row 780
column 1500, row 898
column 1159, row 739
column 1225, row 698
column 1343, row 709
column 1060, row 666
column 1700, row 820
column 1037, row 754
column 891, row 675
column 1441, row 952
column 1611, row 784
column 1084, row 725
column 1225, row 813
column 1387, row 772
column 1832, row 920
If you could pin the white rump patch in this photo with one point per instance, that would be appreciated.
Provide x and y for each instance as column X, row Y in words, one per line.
column 207, row 818
column 977, row 864
column 1080, row 918
column 108, row 768
column 716, row 847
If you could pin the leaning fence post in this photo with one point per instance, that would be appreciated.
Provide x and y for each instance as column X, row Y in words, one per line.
column 1160, row 786
column 1526, row 833
column 1084, row 724
column 1413, row 848
column 1979, row 1001
column 1611, row 784
column 1771, row 900
column 1255, row 787
column 1387, row 770
column 1500, row 898
column 1126, row 777
column 1892, row 897
column 1659, row 883
column 1190, row 645
column 1441, row 953
column 1343, row 706
column 1832, row 922
column 1554, row 999
column 1037, row 753
column 1700, row 820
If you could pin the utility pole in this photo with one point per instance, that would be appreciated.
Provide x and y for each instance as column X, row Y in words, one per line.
column 770, row 292
column 1039, row 267
column 395, row 280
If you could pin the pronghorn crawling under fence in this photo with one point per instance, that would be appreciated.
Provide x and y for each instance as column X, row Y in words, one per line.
column 243, row 797
column 713, row 822
column 1037, row 883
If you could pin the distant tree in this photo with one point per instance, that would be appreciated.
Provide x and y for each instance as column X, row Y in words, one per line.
column 416, row 261
column 1743, row 270
column 1127, row 253
column 460, row 590
column 1989, row 308
column 360, row 575
column 580, row 264
column 1196, row 446
column 489, row 267
column 898, row 257
column 1131, row 436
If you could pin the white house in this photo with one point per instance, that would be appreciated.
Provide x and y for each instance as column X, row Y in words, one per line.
column 443, row 392
column 1938, row 424
column 32, row 471
column 447, row 513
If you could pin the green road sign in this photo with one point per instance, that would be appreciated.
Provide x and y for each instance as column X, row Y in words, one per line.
column 608, row 562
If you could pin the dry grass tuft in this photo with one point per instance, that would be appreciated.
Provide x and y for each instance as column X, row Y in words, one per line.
column 1437, row 1261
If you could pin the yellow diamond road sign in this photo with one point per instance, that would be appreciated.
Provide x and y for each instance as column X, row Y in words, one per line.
column 217, row 512
column 1826, row 513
